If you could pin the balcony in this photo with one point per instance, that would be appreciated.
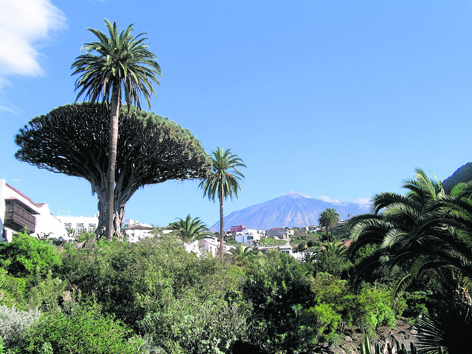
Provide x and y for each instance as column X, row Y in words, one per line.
column 18, row 216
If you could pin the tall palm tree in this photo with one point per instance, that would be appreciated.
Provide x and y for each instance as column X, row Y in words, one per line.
column 328, row 219
column 190, row 229
column 121, row 67
column 223, row 182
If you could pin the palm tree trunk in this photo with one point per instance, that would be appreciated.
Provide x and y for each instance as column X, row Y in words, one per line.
column 221, row 222
column 114, row 116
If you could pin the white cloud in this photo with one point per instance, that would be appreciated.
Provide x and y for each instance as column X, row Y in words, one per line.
column 363, row 201
column 328, row 199
column 23, row 24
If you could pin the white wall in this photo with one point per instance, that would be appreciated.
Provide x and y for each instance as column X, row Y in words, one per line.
column 46, row 223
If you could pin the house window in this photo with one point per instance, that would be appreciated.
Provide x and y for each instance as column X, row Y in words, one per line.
column 68, row 225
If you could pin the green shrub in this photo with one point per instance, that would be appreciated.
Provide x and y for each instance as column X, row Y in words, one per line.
column 326, row 321
column 279, row 292
column 28, row 257
column 188, row 325
column 85, row 330
column 14, row 324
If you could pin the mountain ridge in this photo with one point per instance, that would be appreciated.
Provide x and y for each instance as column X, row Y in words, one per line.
column 289, row 210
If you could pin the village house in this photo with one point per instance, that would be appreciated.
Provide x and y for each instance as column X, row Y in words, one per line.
column 280, row 233
column 136, row 231
column 19, row 213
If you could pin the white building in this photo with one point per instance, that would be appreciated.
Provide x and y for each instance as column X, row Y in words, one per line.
column 210, row 245
column 18, row 212
column 79, row 223
column 280, row 233
column 248, row 236
column 136, row 231
column 206, row 246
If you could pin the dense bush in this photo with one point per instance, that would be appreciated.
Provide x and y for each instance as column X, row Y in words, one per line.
column 155, row 297
column 14, row 324
column 279, row 293
column 84, row 330
column 28, row 257
column 368, row 308
column 130, row 280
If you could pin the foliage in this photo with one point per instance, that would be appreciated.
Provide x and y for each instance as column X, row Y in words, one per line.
column 131, row 280
column 271, row 242
column 279, row 294
column 369, row 308
column 190, row 230
column 84, row 330
column 73, row 140
column 449, row 329
column 331, row 258
column 328, row 219
column 196, row 323
column 242, row 255
column 326, row 321
column 14, row 324
column 28, row 257
column 392, row 228
column 223, row 181
column 123, row 60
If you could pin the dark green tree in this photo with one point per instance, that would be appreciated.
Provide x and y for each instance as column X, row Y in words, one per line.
column 223, row 182
column 412, row 231
column 73, row 140
column 122, row 68
column 328, row 219
column 331, row 258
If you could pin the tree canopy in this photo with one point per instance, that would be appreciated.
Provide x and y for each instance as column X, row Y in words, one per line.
column 73, row 139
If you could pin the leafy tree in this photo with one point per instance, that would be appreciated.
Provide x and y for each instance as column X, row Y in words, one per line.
column 122, row 68
column 190, row 229
column 28, row 257
column 73, row 140
column 331, row 258
column 223, row 182
column 328, row 219
column 281, row 297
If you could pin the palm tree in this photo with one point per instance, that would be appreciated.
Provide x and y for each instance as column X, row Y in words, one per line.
column 328, row 219
column 243, row 254
column 122, row 68
column 331, row 257
column 223, row 182
column 190, row 229
column 393, row 225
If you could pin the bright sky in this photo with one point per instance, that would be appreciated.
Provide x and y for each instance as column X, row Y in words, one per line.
column 334, row 98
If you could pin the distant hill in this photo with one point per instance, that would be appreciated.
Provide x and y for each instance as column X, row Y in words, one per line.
column 462, row 174
column 289, row 210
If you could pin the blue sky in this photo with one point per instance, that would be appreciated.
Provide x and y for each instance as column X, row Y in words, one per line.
column 332, row 99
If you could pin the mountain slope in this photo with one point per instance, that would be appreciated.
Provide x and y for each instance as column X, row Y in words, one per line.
column 289, row 210
column 462, row 174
